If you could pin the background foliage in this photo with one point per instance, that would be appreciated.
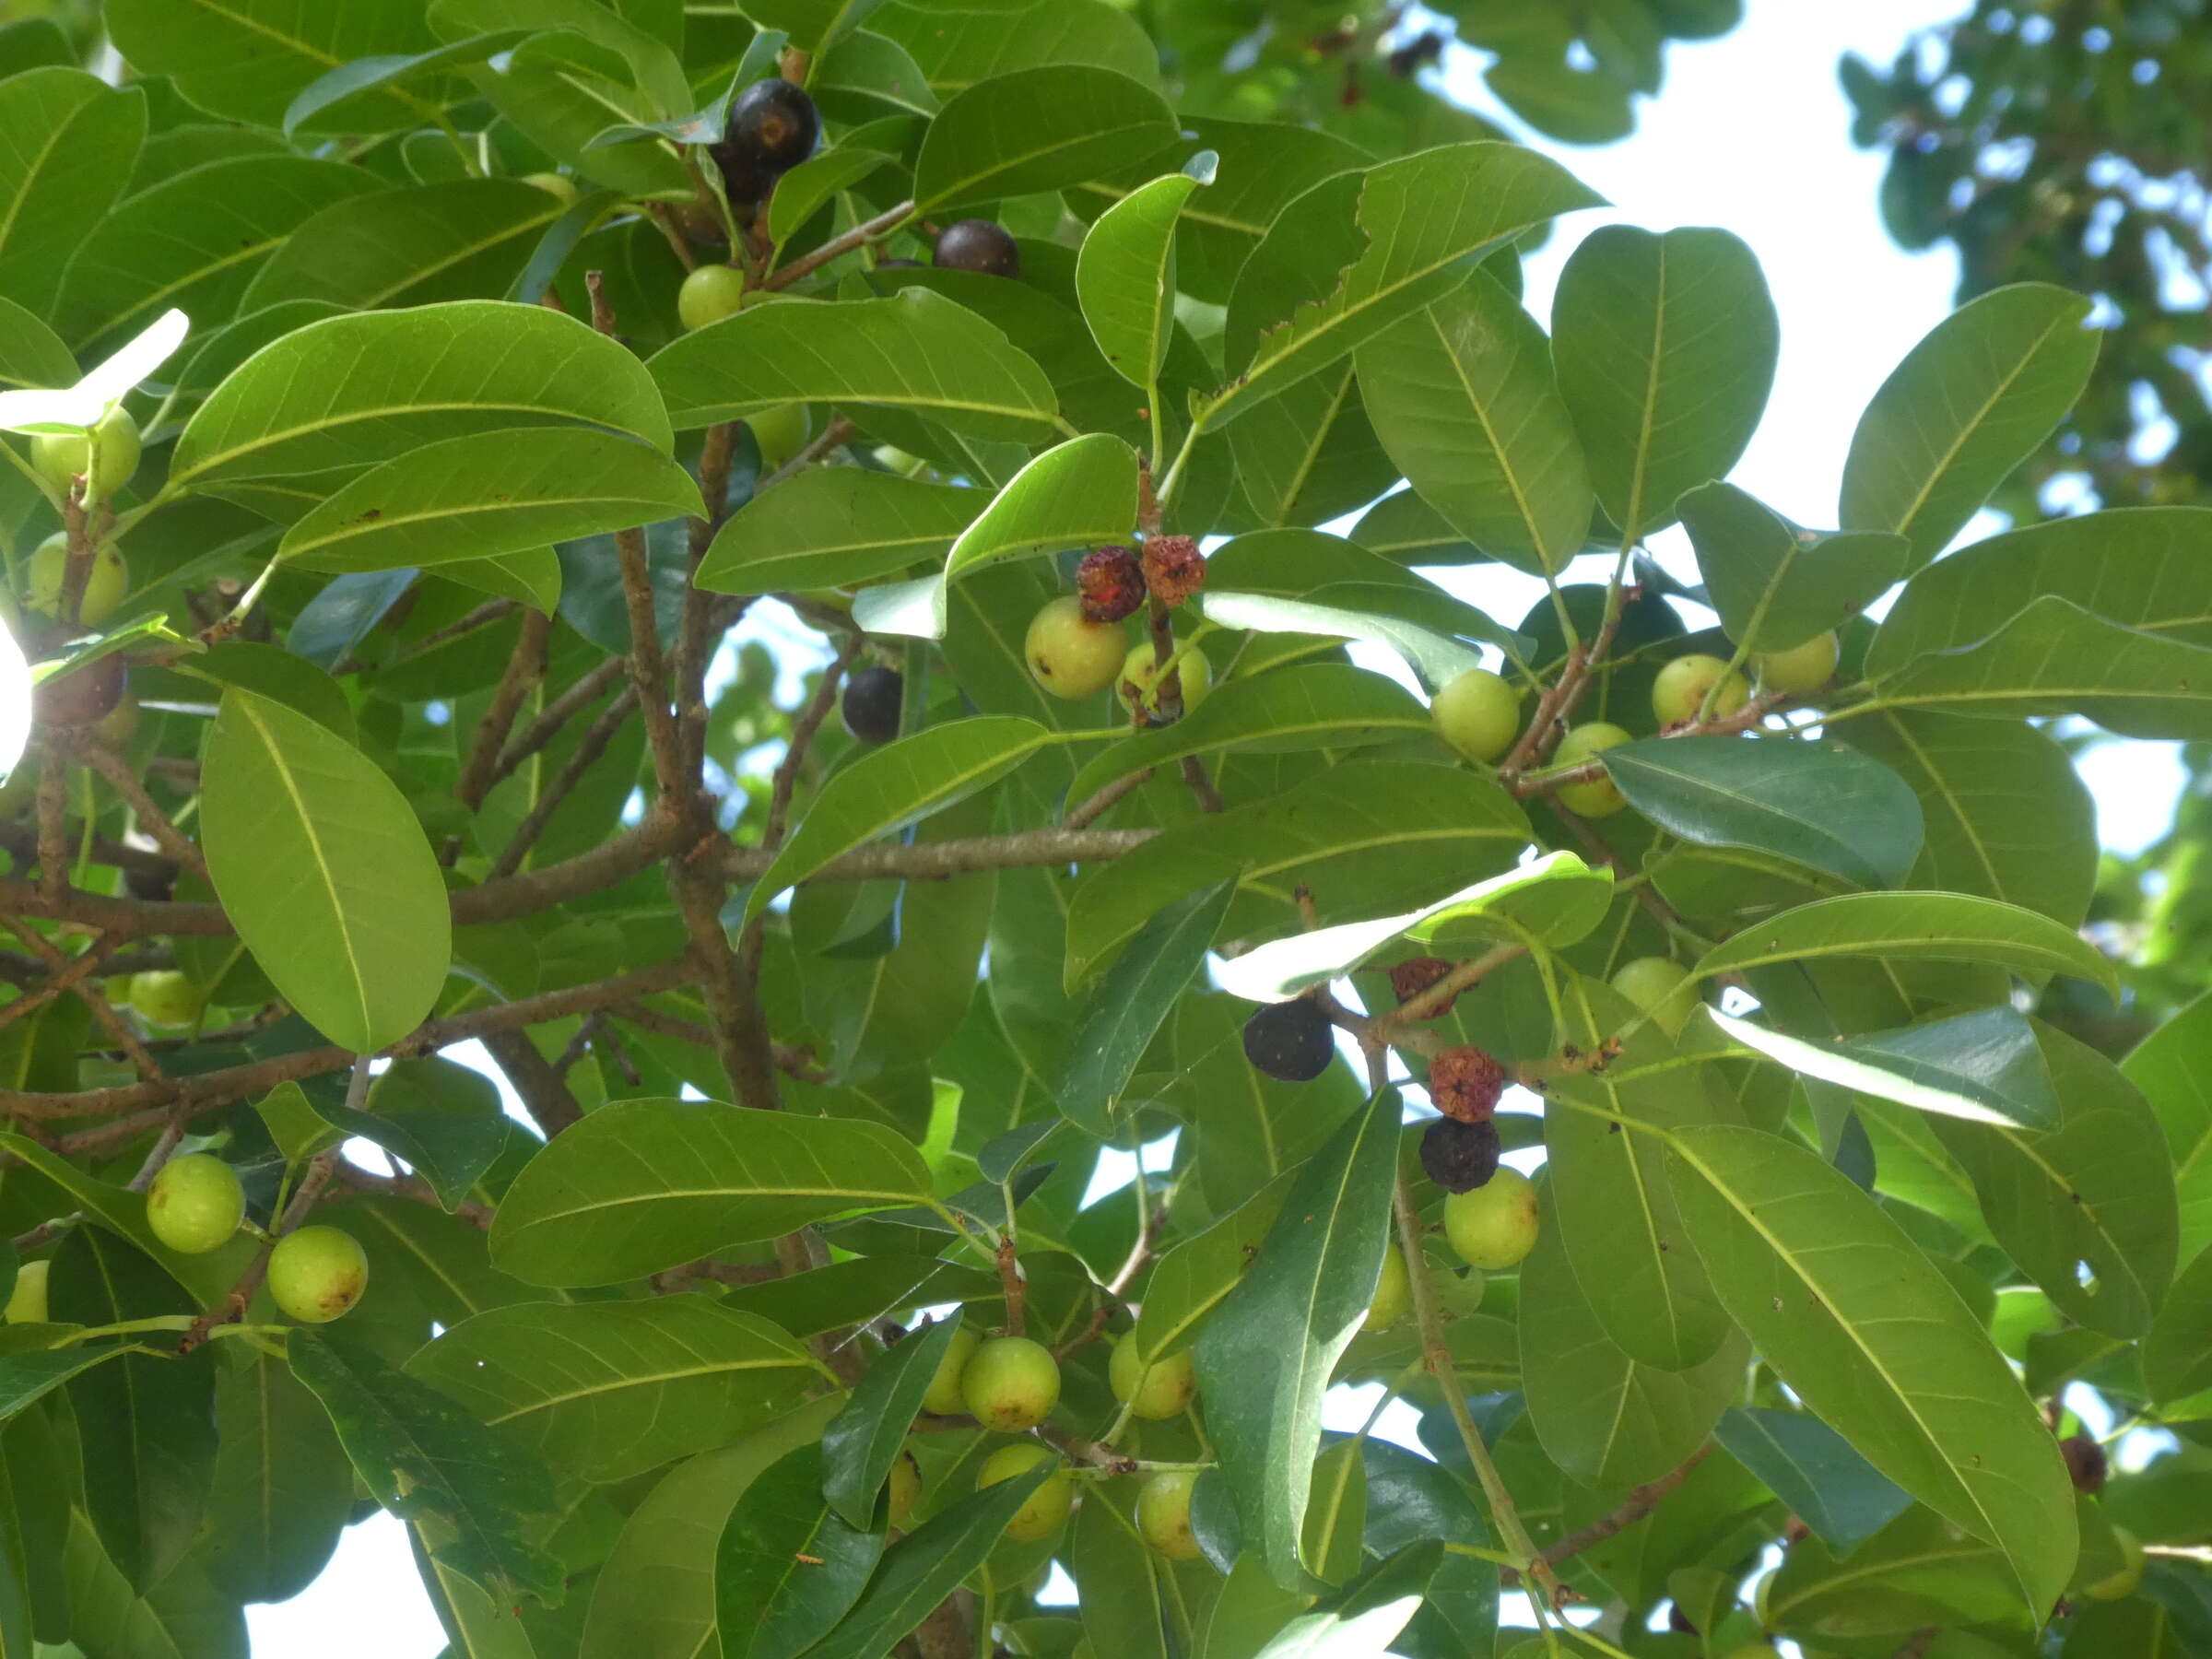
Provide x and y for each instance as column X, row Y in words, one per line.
column 442, row 518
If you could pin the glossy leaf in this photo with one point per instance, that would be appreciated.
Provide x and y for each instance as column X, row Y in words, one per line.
column 1776, row 586
column 1816, row 803
column 489, row 494
column 788, row 1566
column 465, row 1489
column 1265, row 1356
column 1966, row 407
column 640, row 1186
column 916, row 351
column 1983, row 1066
column 896, row 785
column 1463, row 396
column 612, row 1389
column 354, row 390
column 1190, row 1280
column 1356, row 253
column 835, row 527
column 1873, row 1339
column 1036, row 129
column 1937, row 925
column 863, row 1440
column 1126, row 276
column 1837, row 1493
column 1665, row 346
column 325, row 870
column 1130, row 1002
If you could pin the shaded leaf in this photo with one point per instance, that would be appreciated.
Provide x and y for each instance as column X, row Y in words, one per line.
column 788, row 1566
column 835, row 527
column 863, row 1440
column 1844, row 1499
column 1776, row 586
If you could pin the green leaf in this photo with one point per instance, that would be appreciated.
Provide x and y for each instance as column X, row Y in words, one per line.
column 1378, row 836
column 609, row 1389
column 79, row 137
column 1192, row 1279
column 147, row 1421
column 1354, row 254
column 466, row 1489
column 325, row 869
column 898, row 784
column 1917, row 1573
column 123, row 1213
column 31, row 355
column 2006, row 817
column 1939, row 927
column 1608, row 1420
column 247, row 59
column 915, row 351
column 2131, row 565
column 491, row 494
column 1075, row 495
column 1462, row 397
column 864, row 1439
column 2177, row 1349
column 654, row 1596
column 2055, row 658
column 368, row 78
column 1556, row 899
column 1313, row 705
column 958, row 49
column 835, row 527
column 923, row 1568
column 1128, row 1597
column 1816, row 804
column 355, row 390
column 25, row 1377
column 1983, row 1067
column 1616, row 1213
column 1776, row 586
column 465, row 239
column 2094, row 1192
column 2168, row 1067
column 1665, row 346
column 272, row 672
column 1967, row 406
column 1035, row 130
column 1129, row 1004
column 1308, row 455
column 788, row 1566
column 193, row 242
column 1125, row 276
column 640, row 1186
column 181, row 1618
column 1364, row 1619
column 1826, row 1484
column 1265, row 1356
column 282, row 1491
column 1406, row 530
column 801, row 192
column 1867, row 1332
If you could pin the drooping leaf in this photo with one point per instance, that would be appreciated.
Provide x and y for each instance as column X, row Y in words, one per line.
column 915, row 351
column 640, row 1186
column 863, row 1440
column 322, row 865
column 486, row 495
column 1463, row 396
column 1968, row 405
column 1354, row 254
column 467, row 1490
column 612, row 1389
column 1665, row 346
column 1776, row 586
column 898, row 784
column 1265, row 1353
column 1873, row 1339
column 1813, row 803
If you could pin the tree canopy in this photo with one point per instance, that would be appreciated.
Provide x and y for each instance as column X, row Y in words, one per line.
column 1644, row 1035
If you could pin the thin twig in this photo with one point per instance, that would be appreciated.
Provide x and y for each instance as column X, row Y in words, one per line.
column 173, row 841
column 588, row 689
column 587, row 753
column 1098, row 804
column 76, row 968
column 1639, row 1503
column 525, row 667
column 54, row 850
column 883, row 224
column 95, row 998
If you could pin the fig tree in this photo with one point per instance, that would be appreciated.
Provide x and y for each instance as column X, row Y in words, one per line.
column 317, row 1273
column 980, row 245
column 1679, row 693
column 709, row 294
column 1291, row 1042
column 1069, row 655
column 1460, row 1157
column 872, row 702
column 165, row 997
column 1163, row 1515
column 60, row 457
column 1599, row 797
column 194, row 1204
column 1477, row 713
column 1163, row 1389
column 1010, row 1384
column 1495, row 1225
column 772, row 127
column 1046, row 1509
